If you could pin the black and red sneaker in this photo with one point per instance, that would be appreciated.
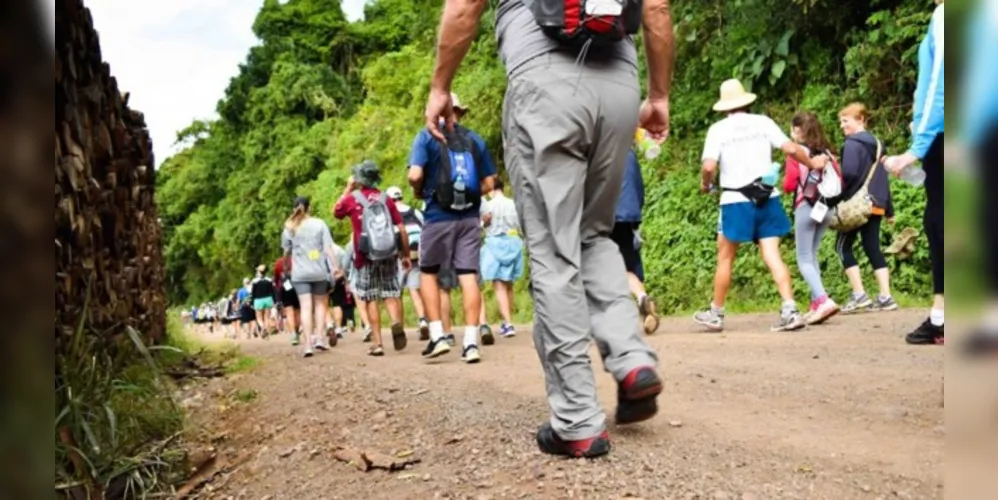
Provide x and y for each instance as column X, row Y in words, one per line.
column 927, row 334
column 637, row 395
column 550, row 443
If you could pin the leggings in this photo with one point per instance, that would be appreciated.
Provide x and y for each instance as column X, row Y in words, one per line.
column 934, row 216
column 808, row 234
column 870, row 234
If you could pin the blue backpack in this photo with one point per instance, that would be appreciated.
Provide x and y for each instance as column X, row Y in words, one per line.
column 458, row 186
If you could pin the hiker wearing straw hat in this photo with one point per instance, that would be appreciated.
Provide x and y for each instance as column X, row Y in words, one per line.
column 739, row 147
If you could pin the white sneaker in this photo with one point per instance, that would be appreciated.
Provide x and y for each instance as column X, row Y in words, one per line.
column 308, row 353
column 471, row 355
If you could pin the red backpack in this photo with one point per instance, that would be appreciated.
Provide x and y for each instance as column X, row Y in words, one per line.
column 599, row 22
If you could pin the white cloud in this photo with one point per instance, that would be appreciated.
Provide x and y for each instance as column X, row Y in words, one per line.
column 176, row 57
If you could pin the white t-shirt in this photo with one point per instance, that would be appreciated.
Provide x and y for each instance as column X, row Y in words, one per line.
column 743, row 145
column 504, row 217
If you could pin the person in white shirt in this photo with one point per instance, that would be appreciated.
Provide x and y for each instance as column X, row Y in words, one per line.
column 741, row 145
column 502, row 253
column 412, row 219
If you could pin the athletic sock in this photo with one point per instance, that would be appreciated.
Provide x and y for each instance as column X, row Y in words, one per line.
column 936, row 317
column 436, row 330
column 788, row 307
column 991, row 321
column 470, row 336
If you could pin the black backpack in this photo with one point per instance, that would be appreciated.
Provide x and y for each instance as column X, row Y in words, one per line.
column 600, row 22
column 458, row 186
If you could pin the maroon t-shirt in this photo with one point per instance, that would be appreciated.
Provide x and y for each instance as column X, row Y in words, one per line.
column 348, row 206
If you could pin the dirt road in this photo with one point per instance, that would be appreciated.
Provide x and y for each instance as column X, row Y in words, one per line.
column 841, row 411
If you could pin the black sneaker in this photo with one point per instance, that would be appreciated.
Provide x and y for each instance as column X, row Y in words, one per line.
column 550, row 443
column 435, row 348
column 637, row 396
column 981, row 343
column 926, row 334
column 485, row 331
column 399, row 341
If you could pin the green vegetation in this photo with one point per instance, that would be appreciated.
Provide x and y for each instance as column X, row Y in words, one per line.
column 320, row 94
column 245, row 395
column 118, row 428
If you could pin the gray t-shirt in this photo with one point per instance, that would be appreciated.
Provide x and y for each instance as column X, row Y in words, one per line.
column 521, row 39
column 308, row 247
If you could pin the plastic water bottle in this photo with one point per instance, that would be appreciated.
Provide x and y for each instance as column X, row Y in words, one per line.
column 913, row 175
column 459, row 191
column 773, row 176
column 646, row 145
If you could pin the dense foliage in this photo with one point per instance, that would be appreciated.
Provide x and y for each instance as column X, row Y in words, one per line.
column 320, row 94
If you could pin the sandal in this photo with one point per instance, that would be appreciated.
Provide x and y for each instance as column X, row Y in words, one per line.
column 376, row 351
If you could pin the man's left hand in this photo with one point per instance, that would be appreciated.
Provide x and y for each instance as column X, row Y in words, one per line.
column 406, row 264
column 439, row 106
column 654, row 118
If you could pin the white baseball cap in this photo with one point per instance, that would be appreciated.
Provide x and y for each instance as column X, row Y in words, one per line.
column 394, row 193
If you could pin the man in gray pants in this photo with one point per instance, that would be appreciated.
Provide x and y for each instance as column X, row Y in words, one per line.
column 568, row 126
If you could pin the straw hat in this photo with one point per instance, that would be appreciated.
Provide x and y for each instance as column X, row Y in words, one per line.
column 733, row 96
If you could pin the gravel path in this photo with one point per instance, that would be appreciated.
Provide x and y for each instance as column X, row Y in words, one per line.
column 841, row 411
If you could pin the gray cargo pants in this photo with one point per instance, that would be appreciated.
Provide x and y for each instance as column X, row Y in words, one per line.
column 567, row 135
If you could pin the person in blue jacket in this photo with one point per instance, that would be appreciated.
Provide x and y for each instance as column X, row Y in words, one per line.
column 927, row 145
column 980, row 128
column 626, row 235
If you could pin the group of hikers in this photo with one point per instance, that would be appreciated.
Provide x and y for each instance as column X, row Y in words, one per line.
column 571, row 111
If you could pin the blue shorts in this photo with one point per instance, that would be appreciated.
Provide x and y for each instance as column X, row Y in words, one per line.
column 745, row 222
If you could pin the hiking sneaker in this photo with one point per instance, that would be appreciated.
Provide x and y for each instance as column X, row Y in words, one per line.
column 485, row 331
column 424, row 329
column 820, row 313
column 637, row 396
column 376, row 351
column 296, row 339
column 789, row 321
column 471, row 355
column 450, row 339
column 436, row 348
column 884, row 304
column 649, row 314
column 926, row 334
column 319, row 346
column 980, row 343
column 857, row 303
column 550, row 443
column 507, row 331
column 712, row 318
column 308, row 353
column 399, row 341
column 367, row 334
column 341, row 333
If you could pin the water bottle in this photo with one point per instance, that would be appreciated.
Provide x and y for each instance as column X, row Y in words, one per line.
column 773, row 176
column 459, row 186
column 646, row 145
column 913, row 175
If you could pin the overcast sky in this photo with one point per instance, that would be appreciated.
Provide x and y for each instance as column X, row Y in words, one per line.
column 176, row 57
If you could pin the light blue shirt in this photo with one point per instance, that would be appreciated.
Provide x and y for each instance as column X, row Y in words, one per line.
column 929, row 118
column 980, row 101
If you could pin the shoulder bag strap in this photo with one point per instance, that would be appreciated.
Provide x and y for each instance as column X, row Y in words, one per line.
column 357, row 195
column 873, row 169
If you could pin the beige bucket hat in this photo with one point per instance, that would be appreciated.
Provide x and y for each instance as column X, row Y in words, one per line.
column 733, row 96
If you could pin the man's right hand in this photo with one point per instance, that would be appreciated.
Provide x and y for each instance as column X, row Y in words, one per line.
column 654, row 118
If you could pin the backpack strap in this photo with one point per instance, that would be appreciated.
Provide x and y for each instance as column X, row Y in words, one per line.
column 357, row 195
